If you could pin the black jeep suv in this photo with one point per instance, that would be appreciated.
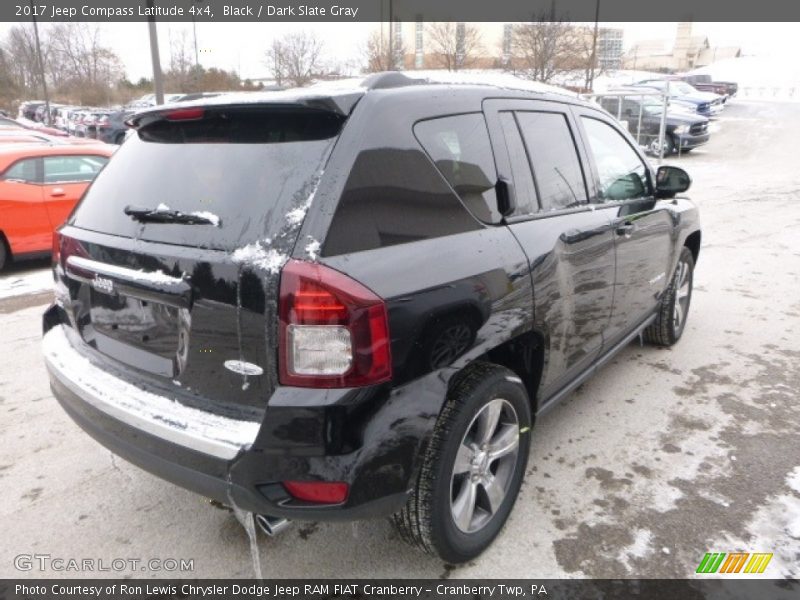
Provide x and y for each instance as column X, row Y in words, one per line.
column 349, row 302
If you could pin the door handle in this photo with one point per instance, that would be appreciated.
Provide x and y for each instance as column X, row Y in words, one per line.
column 625, row 228
column 57, row 192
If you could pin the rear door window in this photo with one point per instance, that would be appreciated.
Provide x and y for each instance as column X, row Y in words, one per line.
column 459, row 147
column 24, row 170
column 554, row 159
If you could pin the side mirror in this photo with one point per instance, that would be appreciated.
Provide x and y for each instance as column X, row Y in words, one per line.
column 671, row 181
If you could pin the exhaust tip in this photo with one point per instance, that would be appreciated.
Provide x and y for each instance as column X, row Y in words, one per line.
column 272, row 526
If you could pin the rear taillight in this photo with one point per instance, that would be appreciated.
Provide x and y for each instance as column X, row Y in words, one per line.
column 56, row 248
column 103, row 121
column 321, row 492
column 334, row 332
column 64, row 247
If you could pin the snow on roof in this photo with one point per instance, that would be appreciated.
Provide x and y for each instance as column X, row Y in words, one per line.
column 488, row 77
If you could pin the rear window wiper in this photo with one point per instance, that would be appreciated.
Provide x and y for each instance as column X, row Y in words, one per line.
column 162, row 215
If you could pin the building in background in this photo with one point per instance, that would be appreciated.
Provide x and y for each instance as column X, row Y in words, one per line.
column 414, row 48
column 687, row 52
column 609, row 49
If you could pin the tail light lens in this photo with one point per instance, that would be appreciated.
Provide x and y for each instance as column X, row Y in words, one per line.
column 334, row 332
column 64, row 247
column 321, row 492
column 56, row 248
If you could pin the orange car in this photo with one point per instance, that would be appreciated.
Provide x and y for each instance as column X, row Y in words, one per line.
column 39, row 186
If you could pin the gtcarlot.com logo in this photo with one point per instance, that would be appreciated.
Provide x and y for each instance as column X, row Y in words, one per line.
column 48, row 562
column 734, row 562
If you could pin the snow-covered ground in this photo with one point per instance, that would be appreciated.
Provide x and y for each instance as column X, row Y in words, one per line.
column 759, row 78
column 22, row 281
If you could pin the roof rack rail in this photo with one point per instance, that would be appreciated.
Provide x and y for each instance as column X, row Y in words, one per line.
column 389, row 79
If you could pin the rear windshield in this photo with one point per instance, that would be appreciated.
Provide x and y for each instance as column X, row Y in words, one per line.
column 244, row 169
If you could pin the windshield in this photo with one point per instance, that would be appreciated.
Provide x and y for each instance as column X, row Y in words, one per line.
column 242, row 172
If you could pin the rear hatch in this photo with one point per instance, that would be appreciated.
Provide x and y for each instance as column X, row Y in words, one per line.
column 169, row 266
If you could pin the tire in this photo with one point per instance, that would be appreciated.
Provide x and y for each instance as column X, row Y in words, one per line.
column 673, row 311
column 669, row 145
column 3, row 252
column 436, row 517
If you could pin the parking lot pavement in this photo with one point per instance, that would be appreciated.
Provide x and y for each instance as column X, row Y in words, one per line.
column 663, row 456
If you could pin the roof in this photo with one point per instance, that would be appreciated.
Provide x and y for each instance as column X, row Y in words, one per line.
column 341, row 95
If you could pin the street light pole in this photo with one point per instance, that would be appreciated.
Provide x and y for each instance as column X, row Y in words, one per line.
column 158, row 83
column 391, row 39
column 590, row 83
column 41, row 64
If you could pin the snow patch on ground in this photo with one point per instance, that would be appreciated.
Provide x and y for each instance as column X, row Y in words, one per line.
column 32, row 282
column 639, row 548
column 775, row 528
column 260, row 255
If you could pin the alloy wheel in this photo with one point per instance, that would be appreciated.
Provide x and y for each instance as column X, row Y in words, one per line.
column 683, row 289
column 484, row 466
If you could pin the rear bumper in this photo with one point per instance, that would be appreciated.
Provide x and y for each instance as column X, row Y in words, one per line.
column 217, row 436
column 371, row 438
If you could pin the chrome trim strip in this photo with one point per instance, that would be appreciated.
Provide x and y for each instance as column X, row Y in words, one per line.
column 132, row 275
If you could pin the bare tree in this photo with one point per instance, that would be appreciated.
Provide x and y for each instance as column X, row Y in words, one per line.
column 183, row 74
column 377, row 54
column 78, row 53
column 20, row 53
column 545, row 47
column 181, row 59
column 455, row 45
column 296, row 58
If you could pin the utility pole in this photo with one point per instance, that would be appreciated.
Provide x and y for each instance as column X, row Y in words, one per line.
column 590, row 82
column 41, row 64
column 158, row 83
column 194, row 31
column 391, row 38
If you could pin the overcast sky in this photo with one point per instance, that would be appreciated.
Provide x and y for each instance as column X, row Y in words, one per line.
column 240, row 46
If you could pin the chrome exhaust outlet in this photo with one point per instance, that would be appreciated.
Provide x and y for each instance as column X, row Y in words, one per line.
column 272, row 526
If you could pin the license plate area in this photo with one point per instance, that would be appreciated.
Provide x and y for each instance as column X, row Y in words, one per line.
column 141, row 333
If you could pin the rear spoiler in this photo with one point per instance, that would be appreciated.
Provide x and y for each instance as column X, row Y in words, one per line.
column 339, row 104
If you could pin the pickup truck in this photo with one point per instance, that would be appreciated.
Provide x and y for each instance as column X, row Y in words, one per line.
column 684, row 130
column 704, row 83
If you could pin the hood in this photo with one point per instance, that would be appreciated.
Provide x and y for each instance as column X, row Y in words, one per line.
column 699, row 97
